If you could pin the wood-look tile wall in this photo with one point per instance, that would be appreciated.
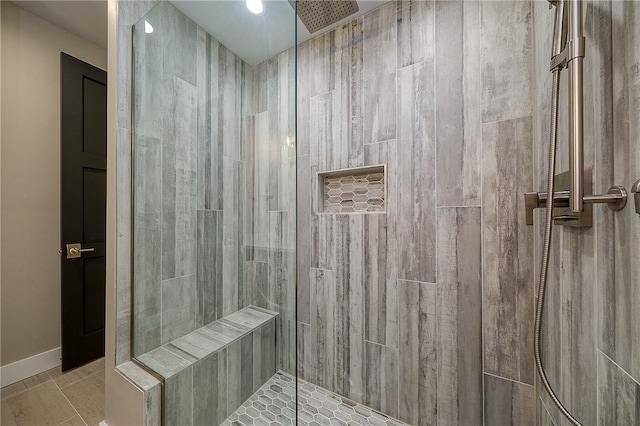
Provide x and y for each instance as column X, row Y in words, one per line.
column 270, row 261
column 190, row 104
column 391, row 307
column 396, row 310
column 592, row 330
column 214, row 184
column 120, row 350
column 212, row 388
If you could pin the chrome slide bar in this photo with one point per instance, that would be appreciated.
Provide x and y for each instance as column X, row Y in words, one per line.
column 575, row 56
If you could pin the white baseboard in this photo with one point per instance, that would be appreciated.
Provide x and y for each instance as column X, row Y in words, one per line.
column 20, row 370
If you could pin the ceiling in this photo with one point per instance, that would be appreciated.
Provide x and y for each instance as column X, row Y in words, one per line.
column 254, row 38
column 87, row 19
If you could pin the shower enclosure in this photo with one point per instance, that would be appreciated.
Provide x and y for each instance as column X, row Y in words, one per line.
column 214, row 175
column 328, row 226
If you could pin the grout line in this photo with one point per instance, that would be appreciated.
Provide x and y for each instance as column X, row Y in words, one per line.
column 619, row 367
column 67, row 399
column 436, row 198
column 66, row 420
column 481, row 141
column 510, row 380
column 80, row 378
column 470, row 206
column 505, row 119
column 23, row 390
column 67, row 384
column 418, row 282
column 382, row 141
column 93, row 374
column 380, row 344
column 546, row 410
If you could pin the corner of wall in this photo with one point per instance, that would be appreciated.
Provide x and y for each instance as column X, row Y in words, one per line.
column 111, row 383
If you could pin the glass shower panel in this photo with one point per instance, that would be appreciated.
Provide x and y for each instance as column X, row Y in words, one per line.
column 214, row 209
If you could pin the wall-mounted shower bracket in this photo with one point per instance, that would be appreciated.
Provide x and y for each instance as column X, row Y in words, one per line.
column 559, row 61
column 615, row 198
column 562, row 214
column 574, row 49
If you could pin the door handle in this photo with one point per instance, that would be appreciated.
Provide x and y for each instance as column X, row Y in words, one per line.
column 75, row 251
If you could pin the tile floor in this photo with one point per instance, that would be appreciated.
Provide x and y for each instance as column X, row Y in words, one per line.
column 74, row 398
column 274, row 405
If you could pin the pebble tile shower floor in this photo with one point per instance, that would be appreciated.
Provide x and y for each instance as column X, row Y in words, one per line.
column 274, row 405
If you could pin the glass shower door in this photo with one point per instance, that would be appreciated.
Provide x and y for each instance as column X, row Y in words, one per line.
column 214, row 216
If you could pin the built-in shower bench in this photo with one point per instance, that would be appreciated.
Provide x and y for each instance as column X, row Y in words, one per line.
column 210, row 372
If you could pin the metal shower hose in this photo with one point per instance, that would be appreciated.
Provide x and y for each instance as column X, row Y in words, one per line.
column 547, row 246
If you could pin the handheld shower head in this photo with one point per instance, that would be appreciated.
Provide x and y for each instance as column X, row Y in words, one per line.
column 559, row 29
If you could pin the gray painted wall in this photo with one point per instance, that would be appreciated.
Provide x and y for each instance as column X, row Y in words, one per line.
column 592, row 334
column 393, row 308
column 30, row 190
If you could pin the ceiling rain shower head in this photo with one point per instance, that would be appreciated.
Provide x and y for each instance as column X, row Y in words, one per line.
column 319, row 14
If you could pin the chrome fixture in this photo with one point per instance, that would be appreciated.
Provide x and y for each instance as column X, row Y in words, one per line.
column 574, row 200
column 316, row 15
column 615, row 198
column 569, row 53
column 561, row 212
column 575, row 53
column 635, row 189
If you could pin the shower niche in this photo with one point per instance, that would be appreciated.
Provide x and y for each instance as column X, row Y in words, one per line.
column 356, row 190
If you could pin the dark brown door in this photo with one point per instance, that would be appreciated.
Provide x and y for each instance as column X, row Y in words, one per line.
column 83, row 210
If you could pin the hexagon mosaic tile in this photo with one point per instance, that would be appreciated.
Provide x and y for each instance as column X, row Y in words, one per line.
column 274, row 405
column 360, row 192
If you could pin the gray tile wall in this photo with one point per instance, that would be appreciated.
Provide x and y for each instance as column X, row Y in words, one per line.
column 211, row 388
column 127, row 14
column 270, row 260
column 214, row 182
column 592, row 331
column 391, row 307
column 190, row 103
column 483, row 84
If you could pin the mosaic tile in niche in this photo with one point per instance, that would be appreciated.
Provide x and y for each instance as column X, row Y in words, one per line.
column 355, row 191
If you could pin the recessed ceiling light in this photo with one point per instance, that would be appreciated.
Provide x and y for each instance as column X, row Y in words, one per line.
column 148, row 28
column 255, row 6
